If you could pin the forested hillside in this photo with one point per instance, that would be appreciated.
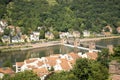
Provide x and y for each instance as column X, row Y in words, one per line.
column 61, row 15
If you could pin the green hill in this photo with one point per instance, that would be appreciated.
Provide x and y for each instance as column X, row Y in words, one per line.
column 67, row 15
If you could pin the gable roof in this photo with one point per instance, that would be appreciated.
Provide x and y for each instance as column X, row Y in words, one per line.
column 92, row 55
column 65, row 64
column 51, row 61
column 74, row 55
column 19, row 64
column 6, row 70
column 41, row 71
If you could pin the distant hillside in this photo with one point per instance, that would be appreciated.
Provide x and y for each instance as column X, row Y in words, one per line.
column 67, row 15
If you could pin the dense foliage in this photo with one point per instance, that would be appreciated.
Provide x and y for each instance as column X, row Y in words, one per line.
column 26, row 75
column 84, row 69
column 116, row 55
column 117, row 51
column 103, row 57
column 62, row 15
column 3, row 4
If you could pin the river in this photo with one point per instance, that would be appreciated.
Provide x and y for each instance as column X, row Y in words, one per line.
column 46, row 51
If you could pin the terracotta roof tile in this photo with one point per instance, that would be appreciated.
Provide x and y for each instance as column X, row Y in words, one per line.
column 65, row 65
column 19, row 64
column 40, row 63
column 92, row 55
column 41, row 71
column 6, row 70
column 74, row 55
column 51, row 61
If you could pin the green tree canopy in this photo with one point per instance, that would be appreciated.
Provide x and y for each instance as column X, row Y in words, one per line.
column 84, row 69
column 26, row 75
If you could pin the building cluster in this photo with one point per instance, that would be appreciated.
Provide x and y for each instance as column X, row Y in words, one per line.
column 59, row 62
column 14, row 35
column 6, row 70
column 114, row 70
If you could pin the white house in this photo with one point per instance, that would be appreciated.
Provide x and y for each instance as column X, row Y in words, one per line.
column 35, row 36
column 3, row 24
column 86, row 33
column 65, row 35
column 49, row 35
column 76, row 34
column 16, row 39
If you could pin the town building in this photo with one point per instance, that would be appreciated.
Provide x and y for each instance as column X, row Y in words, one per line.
column 86, row 33
column 49, row 35
column 118, row 29
column 76, row 34
column 34, row 36
column 3, row 25
column 5, row 39
column 59, row 62
column 6, row 70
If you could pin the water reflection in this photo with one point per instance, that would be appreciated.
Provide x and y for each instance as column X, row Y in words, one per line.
column 106, row 42
column 46, row 51
column 35, row 53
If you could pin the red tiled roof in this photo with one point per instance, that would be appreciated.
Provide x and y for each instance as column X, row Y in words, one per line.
column 6, row 70
column 92, row 55
column 51, row 61
column 40, row 63
column 40, row 72
column 64, row 64
column 72, row 62
column 19, row 64
column 74, row 55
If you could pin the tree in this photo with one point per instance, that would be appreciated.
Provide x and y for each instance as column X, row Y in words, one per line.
column 117, row 51
column 103, row 57
column 42, row 34
column 86, row 69
column 63, row 76
column 7, row 32
column 56, row 34
column 7, row 64
column 26, row 75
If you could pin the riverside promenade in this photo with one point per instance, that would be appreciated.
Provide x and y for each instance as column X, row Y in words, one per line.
column 97, row 39
column 39, row 45
column 28, row 46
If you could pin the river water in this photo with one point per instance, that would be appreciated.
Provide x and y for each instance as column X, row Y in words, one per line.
column 46, row 51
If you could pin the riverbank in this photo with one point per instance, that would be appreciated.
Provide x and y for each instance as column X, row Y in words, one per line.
column 39, row 45
column 29, row 46
column 97, row 39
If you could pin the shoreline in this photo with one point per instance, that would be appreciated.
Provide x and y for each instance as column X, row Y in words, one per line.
column 99, row 38
column 30, row 46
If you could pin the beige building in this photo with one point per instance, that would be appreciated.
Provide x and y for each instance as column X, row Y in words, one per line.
column 49, row 35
